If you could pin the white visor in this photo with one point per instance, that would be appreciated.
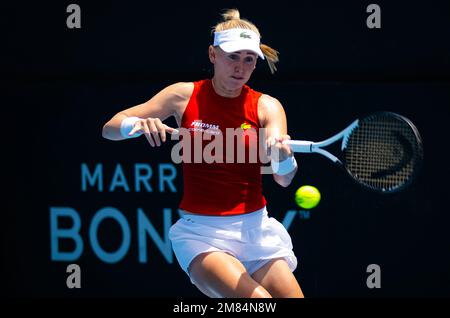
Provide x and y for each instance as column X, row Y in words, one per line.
column 233, row 40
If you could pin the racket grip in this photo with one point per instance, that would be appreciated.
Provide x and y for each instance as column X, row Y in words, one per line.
column 299, row 145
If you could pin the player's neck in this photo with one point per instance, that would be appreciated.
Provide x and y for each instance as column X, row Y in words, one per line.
column 221, row 90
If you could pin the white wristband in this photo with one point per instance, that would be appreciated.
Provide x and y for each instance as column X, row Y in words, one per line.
column 284, row 167
column 127, row 125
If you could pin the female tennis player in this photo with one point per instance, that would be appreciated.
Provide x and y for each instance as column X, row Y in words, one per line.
column 225, row 241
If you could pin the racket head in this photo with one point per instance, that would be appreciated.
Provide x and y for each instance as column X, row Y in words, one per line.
column 384, row 152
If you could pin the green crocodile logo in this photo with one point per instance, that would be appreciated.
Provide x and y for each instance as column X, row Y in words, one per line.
column 245, row 35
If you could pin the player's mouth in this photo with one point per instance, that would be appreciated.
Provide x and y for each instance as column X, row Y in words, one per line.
column 237, row 78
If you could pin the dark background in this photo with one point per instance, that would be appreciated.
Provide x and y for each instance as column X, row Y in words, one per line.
column 61, row 85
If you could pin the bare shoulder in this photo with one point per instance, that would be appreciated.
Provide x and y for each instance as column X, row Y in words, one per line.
column 179, row 96
column 180, row 90
column 269, row 106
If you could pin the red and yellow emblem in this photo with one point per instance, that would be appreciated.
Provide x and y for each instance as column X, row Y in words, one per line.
column 245, row 126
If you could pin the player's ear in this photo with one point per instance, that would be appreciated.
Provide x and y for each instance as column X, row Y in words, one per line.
column 212, row 54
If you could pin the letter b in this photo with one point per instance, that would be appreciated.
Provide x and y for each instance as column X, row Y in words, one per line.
column 57, row 233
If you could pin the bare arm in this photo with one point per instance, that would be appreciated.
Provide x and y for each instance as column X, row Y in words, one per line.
column 168, row 102
column 273, row 118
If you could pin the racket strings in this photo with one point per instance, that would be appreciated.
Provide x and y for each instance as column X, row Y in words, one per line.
column 381, row 152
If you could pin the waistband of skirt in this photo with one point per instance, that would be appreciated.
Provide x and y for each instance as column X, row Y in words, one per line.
column 224, row 219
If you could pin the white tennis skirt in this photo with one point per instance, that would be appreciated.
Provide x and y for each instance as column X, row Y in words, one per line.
column 253, row 238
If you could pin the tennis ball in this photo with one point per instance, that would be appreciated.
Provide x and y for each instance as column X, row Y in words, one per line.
column 307, row 197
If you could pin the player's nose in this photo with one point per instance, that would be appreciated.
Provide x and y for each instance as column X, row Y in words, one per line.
column 239, row 67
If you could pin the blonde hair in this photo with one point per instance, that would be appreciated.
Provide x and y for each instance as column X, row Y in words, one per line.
column 232, row 20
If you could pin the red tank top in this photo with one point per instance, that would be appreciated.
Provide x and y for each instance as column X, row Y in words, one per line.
column 222, row 188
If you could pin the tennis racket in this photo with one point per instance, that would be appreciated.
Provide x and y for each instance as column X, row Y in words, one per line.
column 382, row 151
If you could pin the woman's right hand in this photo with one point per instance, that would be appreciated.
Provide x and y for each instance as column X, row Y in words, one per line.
column 153, row 129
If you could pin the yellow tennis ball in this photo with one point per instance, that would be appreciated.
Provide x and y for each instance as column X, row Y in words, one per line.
column 307, row 197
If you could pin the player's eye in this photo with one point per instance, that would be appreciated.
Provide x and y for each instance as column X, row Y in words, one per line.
column 234, row 57
column 249, row 59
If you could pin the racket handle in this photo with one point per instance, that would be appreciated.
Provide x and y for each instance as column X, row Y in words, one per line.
column 299, row 145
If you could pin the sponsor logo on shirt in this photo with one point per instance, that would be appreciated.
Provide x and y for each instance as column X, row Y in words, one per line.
column 199, row 126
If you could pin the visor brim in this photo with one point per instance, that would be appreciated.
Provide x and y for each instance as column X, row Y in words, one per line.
column 234, row 46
